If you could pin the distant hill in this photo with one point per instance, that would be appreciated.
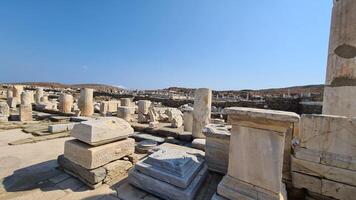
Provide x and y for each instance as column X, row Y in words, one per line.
column 73, row 86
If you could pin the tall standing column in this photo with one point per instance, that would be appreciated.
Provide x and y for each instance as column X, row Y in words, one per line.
column 17, row 90
column 202, row 111
column 340, row 86
column 39, row 95
column 66, row 103
column 85, row 103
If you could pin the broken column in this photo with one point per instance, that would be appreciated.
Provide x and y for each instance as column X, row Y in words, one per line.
column 4, row 112
column 340, row 86
column 172, row 172
column 65, row 103
column 25, row 111
column 26, row 98
column 202, row 111
column 38, row 95
column 17, row 90
column 86, row 104
column 188, row 119
column 11, row 100
column 257, row 146
column 125, row 113
column 96, row 154
column 126, row 102
column 109, row 107
column 143, row 109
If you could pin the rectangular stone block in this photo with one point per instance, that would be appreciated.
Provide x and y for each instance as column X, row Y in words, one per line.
column 91, row 157
column 332, row 134
column 307, row 154
column 217, row 153
column 324, row 171
column 57, row 128
column 96, row 132
column 338, row 190
column 339, row 101
column 25, row 113
column 308, row 182
column 261, row 152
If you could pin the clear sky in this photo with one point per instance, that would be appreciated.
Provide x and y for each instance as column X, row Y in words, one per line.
column 147, row 44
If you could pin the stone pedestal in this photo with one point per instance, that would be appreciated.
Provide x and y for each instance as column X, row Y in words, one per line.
column 86, row 104
column 125, row 113
column 340, row 86
column 126, row 102
column 25, row 113
column 202, row 111
column 257, row 148
column 217, row 147
column 65, row 103
column 38, row 95
column 172, row 172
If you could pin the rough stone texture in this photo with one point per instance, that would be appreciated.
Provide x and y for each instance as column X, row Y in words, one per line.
column 38, row 95
column 17, row 90
column 143, row 106
column 235, row 189
column 9, row 94
column 341, row 70
column 172, row 164
column 4, row 109
column 324, row 171
column 65, row 103
column 109, row 107
column 25, row 113
column 333, row 137
column 85, row 103
column 338, row 190
column 217, row 147
column 26, row 98
column 125, row 113
column 175, row 117
column 165, row 190
column 57, row 128
column 199, row 143
column 102, row 131
column 12, row 102
column 202, row 111
column 116, row 169
column 188, row 120
column 126, row 102
column 311, row 183
column 92, row 157
column 145, row 146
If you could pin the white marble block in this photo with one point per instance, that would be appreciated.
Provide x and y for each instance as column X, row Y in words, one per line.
column 202, row 111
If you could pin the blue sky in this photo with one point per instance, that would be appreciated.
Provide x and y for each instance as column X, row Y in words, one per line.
column 145, row 44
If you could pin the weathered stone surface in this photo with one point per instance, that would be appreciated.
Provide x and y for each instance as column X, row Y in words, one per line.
column 92, row 157
column 85, row 103
column 338, row 190
column 25, row 113
column 218, row 197
column 17, row 90
column 310, row 183
column 217, row 147
column 235, row 189
column 125, row 112
column 12, row 102
column 144, row 136
column 143, row 106
column 116, row 169
column 199, row 143
column 175, row 117
column 127, row 102
column 202, row 111
column 329, row 134
column 9, row 94
column 109, row 107
column 172, row 164
column 38, row 95
column 261, row 151
column 65, row 103
column 324, row 171
column 57, row 128
column 102, row 131
column 145, row 145
column 4, row 109
column 26, row 98
column 165, row 190
column 188, row 120
column 90, row 177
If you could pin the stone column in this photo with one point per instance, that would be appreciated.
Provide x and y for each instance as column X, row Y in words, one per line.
column 9, row 94
column 202, row 111
column 39, row 95
column 26, row 98
column 17, row 90
column 143, row 108
column 4, row 112
column 256, row 155
column 188, row 119
column 340, row 86
column 125, row 112
column 66, row 103
column 126, row 102
column 85, row 102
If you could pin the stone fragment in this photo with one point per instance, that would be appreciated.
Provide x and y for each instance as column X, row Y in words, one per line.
column 9, row 94
column 126, row 102
column 4, row 109
column 26, row 98
column 17, row 90
column 175, row 117
column 125, row 113
column 66, row 103
column 116, row 169
column 108, row 107
column 338, row 190
column 153, row 124
column 57, row 128
column 202, row 111
column 12, row 102
column 145, row 145
column 188, row 120
column 133, row 158
column 25, row 113
column 91, row 157
column 199, row 144
column 38, row 95
column 311, row 183
column 96, row 132
column 86, row 104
